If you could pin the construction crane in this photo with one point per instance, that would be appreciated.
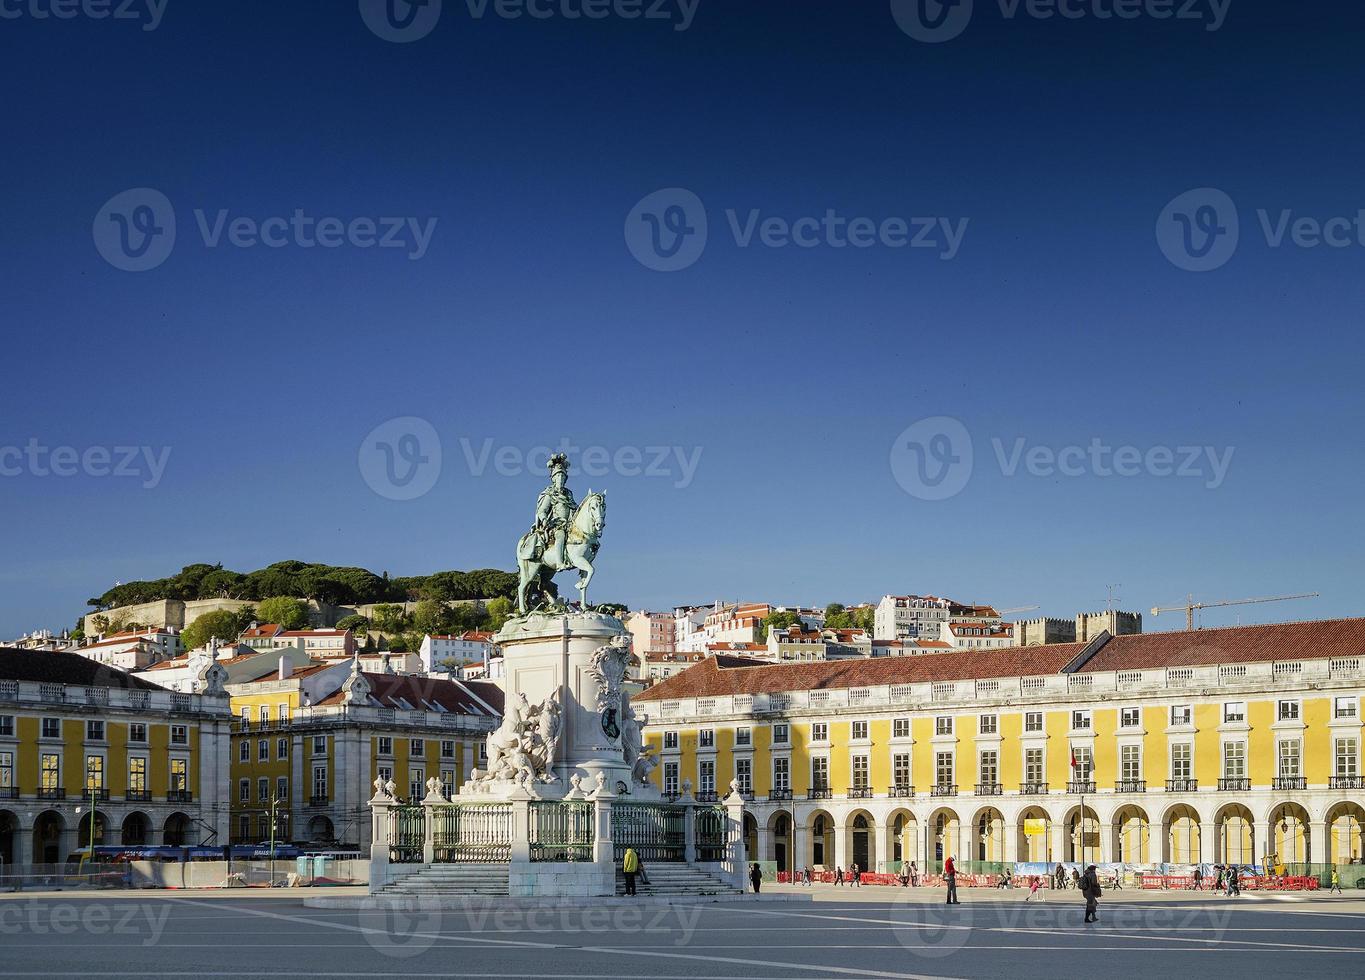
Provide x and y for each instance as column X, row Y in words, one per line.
column 1189, row 605
column 1016, row 609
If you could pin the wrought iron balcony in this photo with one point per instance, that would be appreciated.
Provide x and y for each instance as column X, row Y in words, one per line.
column 859, row 793
column 51, row 793
column 989, row 789
column 179, row 796
column 95, row 794
column 777, row 795
column 1033, row 789
column 1130, row 786
column 1182, row 785
column 818, row 793
column 901, row 791
column 706, row 796
column 1235, row 784
column 1081, row 786
column 943, row 789
column 317, row 801
column 1346, row 782
column 1290, row 782
column 138, row 796
column 9, row 792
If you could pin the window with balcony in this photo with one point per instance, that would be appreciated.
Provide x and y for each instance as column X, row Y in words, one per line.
column 860, row 772
column 1182, row 761
column 782, row 775
column 900, row 728
column 1130, row 763
column 6, row 770
column 671, row 778
column 900, row 769
column 1033, row 721
column 1234, row 712
column 1181, row 714
column 1287, row 711
column 1080, row 721
column 989, row 763
column 744, row 775
column 1084, row 769
column 50, row 777
column 319, row 784
column 988, row 725
column 180, row 776
column 263, row 713
column 706, row 776
column 1288, row 759
column 94, row 774
column 1130, row 718
column 1234, row 760
column 1345, row 707
column 943, row 769
column 819, row 773
column 1034, row 771
column 1346, row 757
column 417, row 779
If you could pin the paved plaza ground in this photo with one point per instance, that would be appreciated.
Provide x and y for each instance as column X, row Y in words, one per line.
column 835, row 932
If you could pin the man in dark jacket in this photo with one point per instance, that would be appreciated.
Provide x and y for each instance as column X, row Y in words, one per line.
column 756, row 877
column 1090, row 888
column 950, row 877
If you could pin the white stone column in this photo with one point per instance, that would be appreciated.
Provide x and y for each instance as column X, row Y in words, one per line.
column 1209, row 844
column 379, row 846
column 800, row 848
column 841, row 847
column 1105, row 851
column 879, row 849
column 764, row 842
column 1058, row 852
column 1317, row 841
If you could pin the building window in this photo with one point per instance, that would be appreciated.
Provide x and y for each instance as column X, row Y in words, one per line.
column 990, row 767
column 860, row 772
column 263, row 750
column 943, row 768
column 819, row 773
column 744, row 775
column 263, row 789
column 284, row 713
column 782, row 774
column 1080, row 721
column 706, row 738
column 246, row 717
column 988, row 725
column 94, row 772
column 1288, row 753
column 244, row 790
column 1085, row 763
column 1033, row 721
column 416, row 780
column 900, row 728
column 244, row 751
column 1345, row 707
column 1181, row 714
column 281, row 748
column 180, row 735
column 137, row 775
column 6, row 724
column 137, row 732
column 416, row 748
column 1033, row 765
column 385, row 773
column 319, row 782
column 1287, row 711
column 781, row 733
column 860, row 730
column 1182, row 760
column 1346, row 757
column 743, row 736
column 264, row 713
column 447, row 749
column 1131, row 718
column 900, row 769
column 1234, row 760
column 943, row 725
column 670, row 740
column 385, row 745
column 819, row 732
column 706, row 776
column 244, row 827
column 670, row 777
column 6, row 770
column 180, row 776
column 1130, row 763
column 281, row 787
column 52, row 728
column 319, row 744
column 1234, row 712
column 94, row 731
column 51, row 771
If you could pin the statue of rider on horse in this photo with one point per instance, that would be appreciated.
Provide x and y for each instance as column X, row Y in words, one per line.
column 564, row 536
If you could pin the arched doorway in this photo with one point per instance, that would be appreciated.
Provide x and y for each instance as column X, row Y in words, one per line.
column 1082, row 836
column 9, row 827
column 989, row 835
column 901, row 834
column 860, row 832
column 943, row 840
column 780, row 829
column 137, row 829
column 1131, row 835
column 1180, row 835
column 1236, row 839
column 822, row 840
column 176, row 832
column 320, row 830
column 83, row 836
column 751, row 838
column 47, row 837
column 1345, row 821
column 1035, row 835
column 1289, row 834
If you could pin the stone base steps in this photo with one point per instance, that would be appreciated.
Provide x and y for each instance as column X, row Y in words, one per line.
column 452, row 879
column 676, row 879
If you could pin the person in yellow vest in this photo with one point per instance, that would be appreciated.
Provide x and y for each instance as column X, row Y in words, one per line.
column 630, row 866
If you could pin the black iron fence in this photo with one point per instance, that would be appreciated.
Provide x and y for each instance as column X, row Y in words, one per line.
column 562, row 831
column 472, row 832
column 407, row 834
column 656, row 831
column 711, row 828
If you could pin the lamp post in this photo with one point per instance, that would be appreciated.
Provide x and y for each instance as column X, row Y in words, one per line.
column 275, row 803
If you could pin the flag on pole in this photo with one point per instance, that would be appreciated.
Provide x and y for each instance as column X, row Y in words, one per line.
column 1074, row 764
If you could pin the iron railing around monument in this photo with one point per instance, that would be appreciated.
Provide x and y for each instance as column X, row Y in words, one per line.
column 657, row 831
column 562, row 831
column 407, row 834
column 477, row 833
column 711, row 830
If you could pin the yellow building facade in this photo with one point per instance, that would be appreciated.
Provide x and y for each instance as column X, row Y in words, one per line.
column 1212, row 746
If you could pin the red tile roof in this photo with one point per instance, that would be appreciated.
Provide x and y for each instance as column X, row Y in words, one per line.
column 412, row 692
column 1232, row 644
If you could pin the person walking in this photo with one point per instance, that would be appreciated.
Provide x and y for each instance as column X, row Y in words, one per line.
column 855, row 875
column 838, row 874
column 1336, row 883
column 1059, row 876
column 1198, row 878
column 950, row 877
column 1033, row 887
column 1090, row 888
column 630, row 867
column 914, row 874
column 756, row 877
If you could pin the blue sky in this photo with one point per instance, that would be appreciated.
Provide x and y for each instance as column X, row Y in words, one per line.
column 1051, row 145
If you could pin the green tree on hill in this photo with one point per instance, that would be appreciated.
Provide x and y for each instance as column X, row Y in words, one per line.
column 289, row 613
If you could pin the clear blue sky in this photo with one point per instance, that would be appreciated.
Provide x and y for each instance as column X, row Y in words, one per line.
column 527, row 320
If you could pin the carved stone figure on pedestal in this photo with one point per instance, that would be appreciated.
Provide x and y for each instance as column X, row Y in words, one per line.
column 564, row 536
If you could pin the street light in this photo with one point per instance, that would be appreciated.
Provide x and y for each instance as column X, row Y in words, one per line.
column 276, row 801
